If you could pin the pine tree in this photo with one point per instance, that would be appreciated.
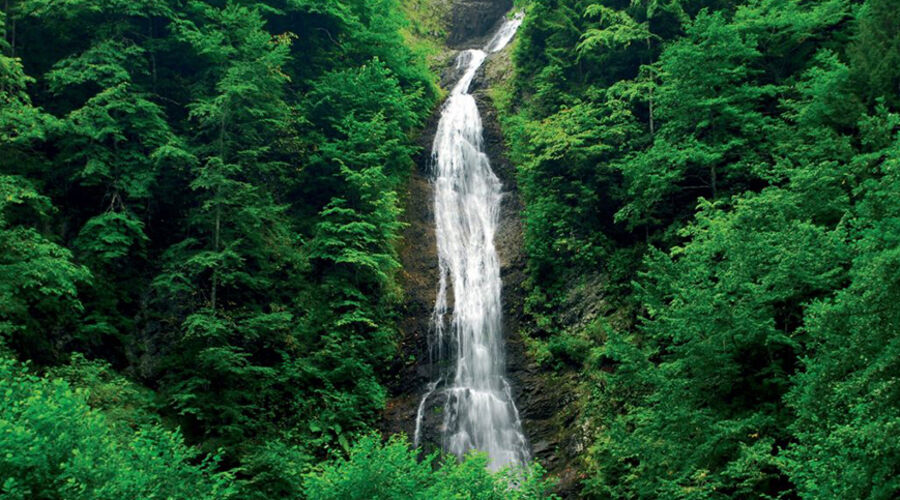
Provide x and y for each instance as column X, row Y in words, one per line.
column 114, row 146
column 38, row 279
column 233, row 275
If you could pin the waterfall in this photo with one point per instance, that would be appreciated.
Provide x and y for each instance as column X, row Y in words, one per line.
column 479, row 411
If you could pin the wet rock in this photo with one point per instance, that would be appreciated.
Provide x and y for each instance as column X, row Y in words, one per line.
column 412, row 370
column 471, row 20
column 546, row 401
column 452, row 73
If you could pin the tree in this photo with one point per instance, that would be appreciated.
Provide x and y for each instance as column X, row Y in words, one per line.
column 61, row 448
column 391, row 470
column 113, row 146
column 38, row 279
column 233, row 275
column 845, row 399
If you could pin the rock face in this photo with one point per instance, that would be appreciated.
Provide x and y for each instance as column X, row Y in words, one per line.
column 471, row 21
column 412, row 369
column 544, row 402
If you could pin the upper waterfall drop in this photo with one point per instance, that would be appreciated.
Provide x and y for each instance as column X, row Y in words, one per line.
column 505, row 34
column 479, row 412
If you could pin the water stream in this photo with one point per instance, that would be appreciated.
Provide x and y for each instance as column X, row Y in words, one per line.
column 479, row 412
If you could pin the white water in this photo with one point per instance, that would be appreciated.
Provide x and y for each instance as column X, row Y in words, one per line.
column 479, row 412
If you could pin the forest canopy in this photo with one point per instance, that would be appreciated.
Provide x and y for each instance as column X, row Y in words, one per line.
column 724, row 175
column 201, row 217
column 202, row 196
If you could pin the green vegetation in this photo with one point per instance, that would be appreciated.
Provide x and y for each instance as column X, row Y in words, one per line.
column 56, row 446
column 204, row 195
column 200, row 218
column 730, row 168
column 391, row 470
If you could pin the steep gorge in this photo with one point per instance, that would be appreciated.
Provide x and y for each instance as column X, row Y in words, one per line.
column 546, row 409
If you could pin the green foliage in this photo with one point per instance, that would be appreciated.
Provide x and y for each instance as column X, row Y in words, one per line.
column 39, row 282
column 391, row 470
column 38, row 279
column 122, row 402
column 204, row 195
column 55, row 446
column 875, row 51
column 275, row 470
column 751, row 178
column 720, row 326
column 225, row 179
column 846, row 399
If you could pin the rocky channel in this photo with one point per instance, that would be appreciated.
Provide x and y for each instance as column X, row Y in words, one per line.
column 547, row 414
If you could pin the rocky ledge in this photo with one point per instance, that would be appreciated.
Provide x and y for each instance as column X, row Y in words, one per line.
column 471, row 21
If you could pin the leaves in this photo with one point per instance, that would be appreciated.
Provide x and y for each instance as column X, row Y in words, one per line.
column 729, row 283
column 391, row 470
column 208, row 198
column 621, row 30
column 66, row 449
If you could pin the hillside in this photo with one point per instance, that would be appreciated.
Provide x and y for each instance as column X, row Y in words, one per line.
column 381, row 248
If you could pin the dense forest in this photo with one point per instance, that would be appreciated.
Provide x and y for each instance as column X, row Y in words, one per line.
column 730, row 170
column 201, row 218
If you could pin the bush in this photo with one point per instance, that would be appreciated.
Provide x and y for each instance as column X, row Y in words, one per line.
column 56, row 446
column 392, row 471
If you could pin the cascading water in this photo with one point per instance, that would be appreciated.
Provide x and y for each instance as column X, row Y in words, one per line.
column 479, row 412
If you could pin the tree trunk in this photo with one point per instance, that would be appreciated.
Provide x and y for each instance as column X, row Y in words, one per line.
column 217, row 231
column 215, row 276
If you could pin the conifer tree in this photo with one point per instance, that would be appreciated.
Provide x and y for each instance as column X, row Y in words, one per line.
column 233, row 274
column 38, row 279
